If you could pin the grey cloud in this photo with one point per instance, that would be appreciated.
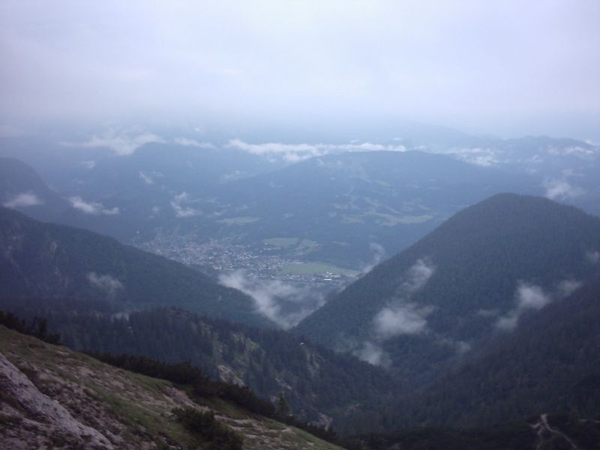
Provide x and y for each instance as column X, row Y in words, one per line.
column 373, row 354
column 358, row 60
column 567, row 287
column 146, row 178
column 89, row 164
column 299, row 152
column 180, row 205
column 484, row 157
column 23, row 200
column 281, row 302
column 417, row 276
column 187, row 142
column 408, row 318
column 122, row 144
column 557, row 189
column 401, row 316
column 93, row 208
column 581, row 152
column 528, row 297
column 378, row 255
column 105, row 282
column 593, row 256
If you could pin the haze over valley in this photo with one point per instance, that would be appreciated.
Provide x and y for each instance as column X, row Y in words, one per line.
column 360, row 225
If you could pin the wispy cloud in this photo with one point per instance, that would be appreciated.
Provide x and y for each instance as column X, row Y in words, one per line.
column 557, row 189
column 530, row 297
column 593, row 256
column 121, row 143
column 374, row 354
column 408, row 318
column 93, row 208
column 300, row 152
column 105, row 282
column 89, row 164
column 400, row 316
column 419, row 273
column 485, row 157
column 181, row 206
column 581, row 152
column 23, row 200
column 378, row 255
column 186, row 142
column 146, row 178
column 281, row 302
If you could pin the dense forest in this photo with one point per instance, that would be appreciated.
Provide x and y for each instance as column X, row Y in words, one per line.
column 320, row 385
column 451, row 289
column 47, row 260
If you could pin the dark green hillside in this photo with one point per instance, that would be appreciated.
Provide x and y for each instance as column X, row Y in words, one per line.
column 478, row 259
column 550, row 363
column 47, row 260
column 319, row 385
column 21, row 188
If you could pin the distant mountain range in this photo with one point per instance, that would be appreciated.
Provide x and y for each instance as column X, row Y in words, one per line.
column 350, row 204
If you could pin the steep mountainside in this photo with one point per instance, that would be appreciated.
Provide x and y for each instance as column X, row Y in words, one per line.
column 321, row 386
column 476, row 275
column 549, row 363
column 51, row 397
column 47, row 260
column 21, row 188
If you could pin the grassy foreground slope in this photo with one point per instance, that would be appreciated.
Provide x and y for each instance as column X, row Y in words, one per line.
column 54, row 398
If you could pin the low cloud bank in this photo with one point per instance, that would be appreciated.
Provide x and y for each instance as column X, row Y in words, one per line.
column 300, row 152
column 283, row 303
column 120, row 143
column 186, row 142
column 125, row 143
column 93, row 208
column 485, row 157
column 23, row 200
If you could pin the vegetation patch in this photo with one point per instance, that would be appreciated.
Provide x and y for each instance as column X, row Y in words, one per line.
column 241, row 220
column 317, row 268
column 281, row 242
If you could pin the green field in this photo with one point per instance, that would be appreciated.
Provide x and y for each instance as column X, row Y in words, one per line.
column 317, row 268
column 282, row 242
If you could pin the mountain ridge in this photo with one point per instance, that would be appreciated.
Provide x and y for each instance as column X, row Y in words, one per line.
column 458, row 283
column 50, row 260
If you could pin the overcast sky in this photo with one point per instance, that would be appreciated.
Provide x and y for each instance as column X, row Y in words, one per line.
column 505, row 67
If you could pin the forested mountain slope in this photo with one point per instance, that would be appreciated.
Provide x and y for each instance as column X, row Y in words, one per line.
column 320, row 386
column 474, row 276
column 549, row 363
column 21, row 188
column 48, row 260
